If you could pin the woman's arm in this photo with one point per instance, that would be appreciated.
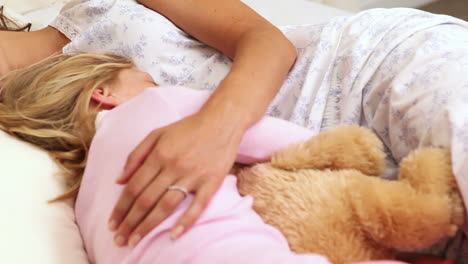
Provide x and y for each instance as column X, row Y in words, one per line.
column 262, row 55
column 197, row 152
column 17, row 49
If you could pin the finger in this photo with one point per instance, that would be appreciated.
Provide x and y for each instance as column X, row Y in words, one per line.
column 143, row 205
column 199, row 203
column 164, row 208
column 141, row 180
column 138, row 156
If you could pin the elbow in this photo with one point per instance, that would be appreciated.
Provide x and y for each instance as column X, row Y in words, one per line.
column 270, row 38
column 257, row 36
column 285, row 47
column 289, row 50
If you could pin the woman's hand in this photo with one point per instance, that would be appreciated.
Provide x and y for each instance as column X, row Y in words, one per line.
column 195, row 153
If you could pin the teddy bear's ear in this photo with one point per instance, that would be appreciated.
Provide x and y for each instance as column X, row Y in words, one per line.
column 342, row 147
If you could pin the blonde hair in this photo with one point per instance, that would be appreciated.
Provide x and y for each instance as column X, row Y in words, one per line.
column 48, row 105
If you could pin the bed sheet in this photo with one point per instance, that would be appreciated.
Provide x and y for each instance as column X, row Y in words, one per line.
column 294, row 12
column 53, row 233
column 279, row 12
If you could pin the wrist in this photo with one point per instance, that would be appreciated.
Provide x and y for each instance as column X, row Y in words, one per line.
column 239, row 101
column 227, row 115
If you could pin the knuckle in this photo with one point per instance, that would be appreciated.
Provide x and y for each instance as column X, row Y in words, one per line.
column 167, row 205
column 125, row 228
column 131, row 191
column 199, row 167
column 197, row 209
column 191, row 216
column 204, row 171
column 182, row 164
column 161, row 155
column 148, row 168
column 144, row 203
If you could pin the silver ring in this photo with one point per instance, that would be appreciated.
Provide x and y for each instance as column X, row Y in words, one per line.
column 179, row 188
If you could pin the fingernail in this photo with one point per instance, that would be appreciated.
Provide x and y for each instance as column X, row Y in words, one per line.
column 134, row 240
column 119, row 241
column 176, row 232
column 121, row 177
column 112, row 225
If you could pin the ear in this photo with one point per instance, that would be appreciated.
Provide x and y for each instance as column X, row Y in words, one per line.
column 104, row 98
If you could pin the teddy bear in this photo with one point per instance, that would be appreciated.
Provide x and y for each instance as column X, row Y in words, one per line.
column 326, row 197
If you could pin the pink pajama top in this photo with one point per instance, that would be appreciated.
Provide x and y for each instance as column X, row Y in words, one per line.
column 228, row 231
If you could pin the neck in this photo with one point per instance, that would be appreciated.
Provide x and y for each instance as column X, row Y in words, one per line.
column 21, row 49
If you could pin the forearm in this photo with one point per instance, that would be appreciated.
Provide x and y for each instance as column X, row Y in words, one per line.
column 262, row 60
column 262, row 56
column 258, row 143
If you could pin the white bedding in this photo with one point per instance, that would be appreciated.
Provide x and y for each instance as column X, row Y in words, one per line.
column 34, row 232
column 294, row 12
column 279, row 12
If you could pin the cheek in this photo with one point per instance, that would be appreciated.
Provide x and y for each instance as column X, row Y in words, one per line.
column 140, row 87
column 133, row 82
column 136, row 87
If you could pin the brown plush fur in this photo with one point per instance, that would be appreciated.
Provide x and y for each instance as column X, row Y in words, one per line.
column 322, row 195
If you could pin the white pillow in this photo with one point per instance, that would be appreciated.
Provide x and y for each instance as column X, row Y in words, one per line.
column 14, row 16
column 279, row 12
column 24, row 6
column 294, row 12
column 40, row 13
column 33, row 231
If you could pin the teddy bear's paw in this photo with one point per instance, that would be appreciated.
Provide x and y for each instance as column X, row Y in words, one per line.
column 394, row 215
column 342, row 147
column 428, row 170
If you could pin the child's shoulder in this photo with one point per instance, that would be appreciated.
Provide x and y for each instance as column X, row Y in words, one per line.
column 155, row 103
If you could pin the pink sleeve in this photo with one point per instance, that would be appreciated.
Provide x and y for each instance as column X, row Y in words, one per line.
column 267, row 136
column 259, row 142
